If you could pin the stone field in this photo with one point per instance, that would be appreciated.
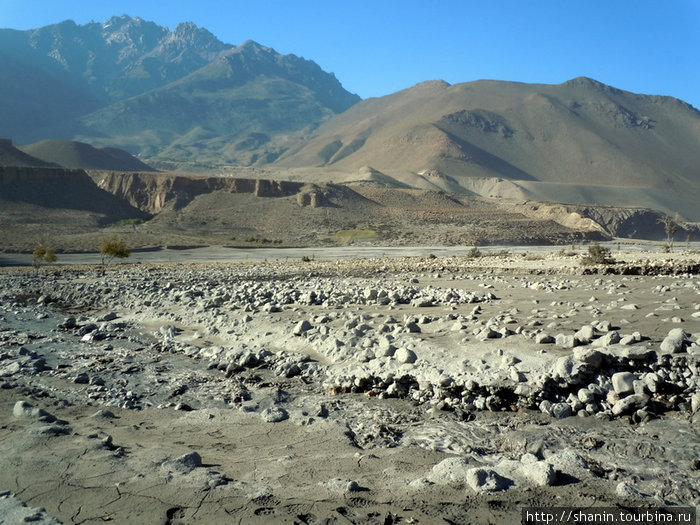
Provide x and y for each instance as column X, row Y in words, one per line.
column 387, row 390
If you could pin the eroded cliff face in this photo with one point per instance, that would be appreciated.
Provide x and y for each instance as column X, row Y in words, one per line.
column 630, row 223
column 150, row 192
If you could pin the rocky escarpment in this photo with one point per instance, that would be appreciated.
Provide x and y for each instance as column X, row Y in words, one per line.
column 631, row 223
column 150, row 192
column 635, row 222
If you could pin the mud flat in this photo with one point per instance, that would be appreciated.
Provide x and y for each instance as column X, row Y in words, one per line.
column 385, row 390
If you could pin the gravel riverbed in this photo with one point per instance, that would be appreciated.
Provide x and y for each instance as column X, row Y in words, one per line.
column 386, row 390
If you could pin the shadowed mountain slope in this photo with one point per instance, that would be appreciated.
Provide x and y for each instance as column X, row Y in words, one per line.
column 10, row 155
column 71, row 154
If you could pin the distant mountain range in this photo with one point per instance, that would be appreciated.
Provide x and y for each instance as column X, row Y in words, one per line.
column 180, row 94
column 182, row 98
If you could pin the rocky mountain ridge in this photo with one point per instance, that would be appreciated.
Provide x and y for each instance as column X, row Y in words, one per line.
column 133, row 84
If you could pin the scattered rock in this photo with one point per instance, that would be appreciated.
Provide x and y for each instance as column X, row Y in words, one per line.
column 301, row 327
column 623, row 382
column 486, row 480
column 184, row 464
column 676, row 341
column 25, row 410
column 450, row 470
column 539, row 473
column 274, row 414
column 103, row 414
column 406, row 356
column 13, row 510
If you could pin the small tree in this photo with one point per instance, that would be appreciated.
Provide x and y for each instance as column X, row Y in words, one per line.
column 670, row 227
column 111, row 248
column 42, row 254
column 597, row 254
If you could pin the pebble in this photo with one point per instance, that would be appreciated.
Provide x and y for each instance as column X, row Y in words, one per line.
column 341, row 486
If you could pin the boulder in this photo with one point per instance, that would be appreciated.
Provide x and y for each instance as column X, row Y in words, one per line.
column 676, row 341
column 274, row 414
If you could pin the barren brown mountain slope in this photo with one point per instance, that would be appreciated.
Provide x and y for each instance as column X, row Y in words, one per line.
column 577, row 142
column 72, row 154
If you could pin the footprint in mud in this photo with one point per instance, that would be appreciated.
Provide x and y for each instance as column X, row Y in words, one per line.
column 175, row 516
column 306, row 519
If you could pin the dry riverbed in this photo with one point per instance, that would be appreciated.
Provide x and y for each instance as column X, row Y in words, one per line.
column 388, row 390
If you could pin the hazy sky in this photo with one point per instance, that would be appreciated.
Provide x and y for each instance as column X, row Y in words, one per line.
column 379, row 47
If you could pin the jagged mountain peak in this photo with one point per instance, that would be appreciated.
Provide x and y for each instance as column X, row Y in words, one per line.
column 190, row 34
column 133, row 84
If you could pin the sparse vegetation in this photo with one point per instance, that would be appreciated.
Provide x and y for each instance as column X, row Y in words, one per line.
column 128, row 222
column 42, row 254
column 597, row 254
column 111, row 248
column 474, row 253
column 360, row 234
column 262, row 240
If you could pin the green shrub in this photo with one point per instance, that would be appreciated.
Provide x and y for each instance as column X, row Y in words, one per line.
column 111, row 248
column 474, row 253
column 597, row 254
column 42, row 254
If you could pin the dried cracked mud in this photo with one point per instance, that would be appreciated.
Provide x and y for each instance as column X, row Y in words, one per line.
column 394, row 390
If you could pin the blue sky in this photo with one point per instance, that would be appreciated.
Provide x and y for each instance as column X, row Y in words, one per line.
column 376, row 48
